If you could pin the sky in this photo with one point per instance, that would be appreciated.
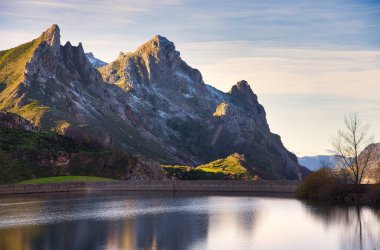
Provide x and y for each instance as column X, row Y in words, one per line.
column 310, row 62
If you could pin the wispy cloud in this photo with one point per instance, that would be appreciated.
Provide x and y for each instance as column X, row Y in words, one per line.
column 284, row 70
column 47, row 3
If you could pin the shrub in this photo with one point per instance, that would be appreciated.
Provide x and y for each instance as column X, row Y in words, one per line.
column 320, row 184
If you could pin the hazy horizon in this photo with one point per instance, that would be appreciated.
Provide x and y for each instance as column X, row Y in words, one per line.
column 309, row 63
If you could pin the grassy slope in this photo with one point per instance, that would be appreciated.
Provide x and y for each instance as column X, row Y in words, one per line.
column 227, row 168
column 60, row 179
column 12, row 68
column 230, row 165
column 13, row 61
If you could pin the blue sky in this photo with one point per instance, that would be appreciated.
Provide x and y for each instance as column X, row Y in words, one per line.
column 310, row 62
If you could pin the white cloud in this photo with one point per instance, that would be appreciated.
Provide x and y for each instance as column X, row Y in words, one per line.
column 283, row 70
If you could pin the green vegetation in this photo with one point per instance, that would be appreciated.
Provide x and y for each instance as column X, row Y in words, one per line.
column 232, row 165
column 325, row 184
column 319, row 184
column 15, row 139
column 355, row 151
column 29, row 155
column 12, row 61
column 12, row 71
column 229, row 168
column 60, row 179
column 32, row 111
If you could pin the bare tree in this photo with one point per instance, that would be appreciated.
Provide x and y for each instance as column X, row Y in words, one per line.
column 353, row 148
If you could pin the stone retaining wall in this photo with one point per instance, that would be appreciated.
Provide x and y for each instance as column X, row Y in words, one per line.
column 204, row 186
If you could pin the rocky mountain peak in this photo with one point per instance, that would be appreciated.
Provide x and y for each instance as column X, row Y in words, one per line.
column 52, row 37
column 51, row 62
column 158, row 45
column 47, row 51
column 243, row 91
column 155, row 63
column 159, row 53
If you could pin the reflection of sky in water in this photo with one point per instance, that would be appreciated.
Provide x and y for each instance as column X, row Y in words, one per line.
column 167, row 221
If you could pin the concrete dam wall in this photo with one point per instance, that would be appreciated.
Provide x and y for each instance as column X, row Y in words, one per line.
column 188, row 185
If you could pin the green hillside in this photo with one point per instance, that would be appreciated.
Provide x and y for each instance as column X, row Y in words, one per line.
column 229, row 168
column 29, row 155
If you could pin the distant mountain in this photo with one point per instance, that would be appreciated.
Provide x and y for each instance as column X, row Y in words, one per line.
column 148, row 102
column 372, row 173
column 95, row 62
column 316, row 162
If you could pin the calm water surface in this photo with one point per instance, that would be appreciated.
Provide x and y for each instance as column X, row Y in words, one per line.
column 182, row 221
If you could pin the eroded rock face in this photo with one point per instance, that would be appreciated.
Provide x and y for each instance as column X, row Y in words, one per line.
column 151, row 103
column 195, row 121
column 10, row 120
column 147, row 170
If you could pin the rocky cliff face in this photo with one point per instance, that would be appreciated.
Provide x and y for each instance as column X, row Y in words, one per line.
column 149, row 102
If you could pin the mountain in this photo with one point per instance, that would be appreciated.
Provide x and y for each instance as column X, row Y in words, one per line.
column 149, row 102
column 28, row 153
column 318, row 161
column 372, row 155
column 95, row 62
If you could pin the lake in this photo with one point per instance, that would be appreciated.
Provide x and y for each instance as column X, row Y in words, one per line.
column 167, row 220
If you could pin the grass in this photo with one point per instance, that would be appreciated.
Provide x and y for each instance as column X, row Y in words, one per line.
column 12, row 61
column 12, row 74
column 33, row 111
column 230, row 166
column 61, row 179
column 222, row 169
column 14, row 139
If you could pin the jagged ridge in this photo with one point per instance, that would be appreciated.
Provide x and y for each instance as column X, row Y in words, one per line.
column 150, row 102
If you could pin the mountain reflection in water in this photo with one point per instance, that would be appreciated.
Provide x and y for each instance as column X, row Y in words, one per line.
column 182, row 221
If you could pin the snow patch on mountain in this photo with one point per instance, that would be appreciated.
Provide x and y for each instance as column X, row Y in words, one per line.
column 95, row 62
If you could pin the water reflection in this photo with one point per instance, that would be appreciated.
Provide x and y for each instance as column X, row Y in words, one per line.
column 182, row 221
column 359, row 224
